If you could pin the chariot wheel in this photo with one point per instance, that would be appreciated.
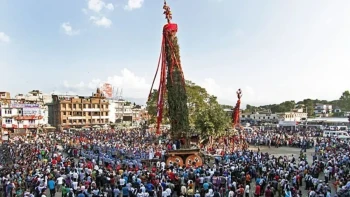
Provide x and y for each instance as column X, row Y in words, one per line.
column 194, row 160
column 175, row 159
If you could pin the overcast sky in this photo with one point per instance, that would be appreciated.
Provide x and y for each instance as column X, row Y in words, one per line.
column 274, row 50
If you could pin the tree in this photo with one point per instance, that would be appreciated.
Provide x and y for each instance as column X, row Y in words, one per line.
column 344, row 101
column 197, row 100
column 212, row 120
column 152, row 106
column 203, row 110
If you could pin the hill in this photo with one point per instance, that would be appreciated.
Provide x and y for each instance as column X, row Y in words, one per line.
column 308, row 104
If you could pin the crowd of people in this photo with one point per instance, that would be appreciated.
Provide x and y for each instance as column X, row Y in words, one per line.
column 111, row 163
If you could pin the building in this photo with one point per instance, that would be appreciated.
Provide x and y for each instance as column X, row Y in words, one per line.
column 259, row 117
column 337, row 110
column 346, row 113
column 73, row 111
column 38, row 97
column 322, row 110
column 122, row 111
column 294, row 116
column 5, row 96
column 20, row 116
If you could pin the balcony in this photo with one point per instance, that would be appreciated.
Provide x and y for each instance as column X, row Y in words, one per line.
column 7, row 115
column 76, row 117
column 32, row 125
column 92, row 109
column 6, row 125
column 100, row 117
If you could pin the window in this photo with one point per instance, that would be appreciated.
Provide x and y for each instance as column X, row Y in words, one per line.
column 8, row 111
column 64, row 113
column 8, row 121
column 31, row 121
column 20, row 112
column 64, row 121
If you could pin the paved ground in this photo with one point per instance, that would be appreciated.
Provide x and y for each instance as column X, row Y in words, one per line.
column 289, row 152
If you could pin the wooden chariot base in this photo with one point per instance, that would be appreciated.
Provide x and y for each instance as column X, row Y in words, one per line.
column 184, row 157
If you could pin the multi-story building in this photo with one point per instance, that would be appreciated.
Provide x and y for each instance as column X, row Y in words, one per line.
column 38, row 97
column 73, row 111
column 294, row 116
column 122, row 111
column 323, row 110
column 20, row 116
column 260, row 117
column 5, row 96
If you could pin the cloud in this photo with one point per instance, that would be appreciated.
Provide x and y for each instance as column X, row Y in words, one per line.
column 226, row 93
column 4, row 38
column 68, row 29
column 98, row 5
column 84, row 11
column 101, row 21
column 133, row 86
column 110, row 6
column 133, row 4
column 215, row 89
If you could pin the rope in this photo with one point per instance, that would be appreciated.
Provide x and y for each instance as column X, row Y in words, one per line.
column 161, row 88
column 155, row 76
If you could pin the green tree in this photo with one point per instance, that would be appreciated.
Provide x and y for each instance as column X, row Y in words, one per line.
column 177, row 97
column 152, row 106
column 204, row 110
column 212, row 120
column 344, row 101
column 197, row 100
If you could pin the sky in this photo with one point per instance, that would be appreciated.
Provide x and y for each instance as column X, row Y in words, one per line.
column 273, row 50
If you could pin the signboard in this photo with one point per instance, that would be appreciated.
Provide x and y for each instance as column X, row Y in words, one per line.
column 5, row 138
column 107, row 90
column 24, row 105
column 31, row 111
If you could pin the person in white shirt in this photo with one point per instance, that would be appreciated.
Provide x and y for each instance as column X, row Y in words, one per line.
column 59, row 183
column 75, row 185
column 142, row 194
column 247, row 190
column 122, row 181
column 168, row 191
column 231, row 193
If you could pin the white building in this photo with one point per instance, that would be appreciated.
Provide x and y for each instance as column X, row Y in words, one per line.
column 18, row 117
column 122, row 111
column 323, row 110
column 296, row 116
column 259, row 117
column 36, row 96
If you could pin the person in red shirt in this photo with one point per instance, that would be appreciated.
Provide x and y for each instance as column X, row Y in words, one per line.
column 268, row 192
column 257, row 190
column 54, row 161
